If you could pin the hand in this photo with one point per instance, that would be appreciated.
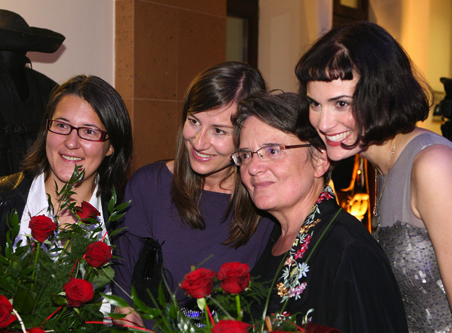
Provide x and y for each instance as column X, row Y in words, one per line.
column 132, row 317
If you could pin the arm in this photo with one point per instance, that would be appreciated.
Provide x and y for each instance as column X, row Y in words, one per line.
column 128, row 244
column 431, row 201
column 131, row 319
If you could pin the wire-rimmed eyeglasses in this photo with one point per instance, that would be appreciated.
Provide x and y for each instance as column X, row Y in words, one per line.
column 85, row 133
column 266, row 153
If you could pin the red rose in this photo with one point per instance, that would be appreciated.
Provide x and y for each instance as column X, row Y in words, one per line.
column 6, row 309
column 198, row 284
column 230, row 326
column 87, row 211
column 36, row 330
column 78, row 291
column 234, row 277
column 41, row 227
column 98, row 254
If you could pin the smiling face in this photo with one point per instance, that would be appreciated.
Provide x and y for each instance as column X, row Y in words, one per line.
column 283, row 185
column 65, row 151
column 330, row 112
column 208, row 138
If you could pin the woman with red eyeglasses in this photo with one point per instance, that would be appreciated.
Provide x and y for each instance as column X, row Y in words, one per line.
column 86, row 124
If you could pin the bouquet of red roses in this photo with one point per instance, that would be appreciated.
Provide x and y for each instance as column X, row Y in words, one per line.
column 52, row 281
column 223, row 298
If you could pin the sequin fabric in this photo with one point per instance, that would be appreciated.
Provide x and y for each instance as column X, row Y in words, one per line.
column 413, row 261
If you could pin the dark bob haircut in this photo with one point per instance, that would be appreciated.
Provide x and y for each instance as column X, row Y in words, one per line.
column 388, row 98
column 110, row 108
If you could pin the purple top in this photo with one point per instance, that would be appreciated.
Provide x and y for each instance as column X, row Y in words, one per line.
column 152, row 214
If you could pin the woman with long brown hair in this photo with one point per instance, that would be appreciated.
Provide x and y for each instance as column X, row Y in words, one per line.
column 186, row 204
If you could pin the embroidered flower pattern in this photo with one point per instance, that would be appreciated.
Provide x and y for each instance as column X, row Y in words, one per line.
column 294, row 270
column 324, row 196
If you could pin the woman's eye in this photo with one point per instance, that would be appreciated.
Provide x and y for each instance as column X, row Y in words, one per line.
column 245, row 155
column 219, row 131
column 272, row 151
column 61, row 125
column 313, row 104
column 192, row 121
column 342, row 104
column 90, row 131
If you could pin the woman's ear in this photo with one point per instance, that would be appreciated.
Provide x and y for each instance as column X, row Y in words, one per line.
column 110, row 150
column 321, row 163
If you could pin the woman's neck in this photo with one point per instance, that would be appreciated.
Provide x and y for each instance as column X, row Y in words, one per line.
column 384, row 156
column 83, row 192
column 292, row 219
column 222, row 182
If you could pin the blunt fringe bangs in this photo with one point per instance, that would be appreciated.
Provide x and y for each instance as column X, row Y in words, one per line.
column 390, row 96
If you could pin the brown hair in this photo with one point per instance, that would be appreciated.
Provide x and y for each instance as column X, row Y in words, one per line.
column 216, row 87
column 283, row 112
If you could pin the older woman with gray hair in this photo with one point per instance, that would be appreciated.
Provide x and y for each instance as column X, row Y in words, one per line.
column 326, row 267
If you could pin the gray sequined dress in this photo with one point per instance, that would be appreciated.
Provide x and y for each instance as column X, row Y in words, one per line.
column 408, row 246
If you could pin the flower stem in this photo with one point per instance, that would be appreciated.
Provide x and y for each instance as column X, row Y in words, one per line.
column 239, row 309
column 207, row 311
column 35, row 264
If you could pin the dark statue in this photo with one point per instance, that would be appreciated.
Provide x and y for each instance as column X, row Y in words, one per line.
column 24, row 92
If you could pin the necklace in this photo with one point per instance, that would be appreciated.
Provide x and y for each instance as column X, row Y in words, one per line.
column 375, row 213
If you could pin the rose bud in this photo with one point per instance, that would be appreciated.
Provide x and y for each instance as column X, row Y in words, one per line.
column 78, row 291
column 234, row 277
column 86, row 211
column 98, row 254
column 198, row 284
column 41, row 227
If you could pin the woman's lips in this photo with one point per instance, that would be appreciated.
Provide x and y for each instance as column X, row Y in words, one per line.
column 262, row 185
column 201, row 157
column 71, row 158
column 337, row 139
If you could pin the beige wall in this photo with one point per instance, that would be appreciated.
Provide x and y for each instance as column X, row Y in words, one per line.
column 286, row 28
column 424, row 29
column 88, row 26
column 160, row 47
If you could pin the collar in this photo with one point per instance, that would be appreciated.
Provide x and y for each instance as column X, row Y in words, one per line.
column 37, row 204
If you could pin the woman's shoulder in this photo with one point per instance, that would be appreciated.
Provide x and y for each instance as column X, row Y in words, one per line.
column 152, row 172
column 349, row 232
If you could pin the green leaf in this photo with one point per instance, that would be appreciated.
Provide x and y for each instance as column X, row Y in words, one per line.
column 112, row 202
column 115, row 300
column 23, row 301
column 122, row 206
column 117, row 231
column 104, row 277
column 115, row 216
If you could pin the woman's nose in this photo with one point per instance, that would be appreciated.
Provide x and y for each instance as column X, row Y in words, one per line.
column 256, row 165
column 201, row 140
column 325, row 121
column 72, row 140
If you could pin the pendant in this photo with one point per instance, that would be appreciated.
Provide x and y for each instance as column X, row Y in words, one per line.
column 375, row 221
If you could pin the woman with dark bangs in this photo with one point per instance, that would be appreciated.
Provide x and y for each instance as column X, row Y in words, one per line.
column 364, row 98
column 186, row 204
